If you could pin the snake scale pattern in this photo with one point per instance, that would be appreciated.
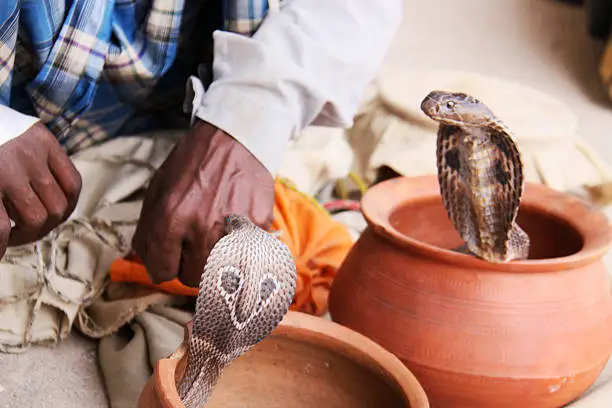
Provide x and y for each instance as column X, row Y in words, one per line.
column 480, row 173
column 245, row 291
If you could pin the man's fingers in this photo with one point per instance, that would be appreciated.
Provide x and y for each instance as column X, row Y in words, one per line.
column 193, row 259
column 66, row 175
column 163, row 239
column 198, row 243
column 196, row 251
column 256, row 206
column 29, row 214
column 162, row 258
column 52, row 197
column 138, row 243
column 5, row 229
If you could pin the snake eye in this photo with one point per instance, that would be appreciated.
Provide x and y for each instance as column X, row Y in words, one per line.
column 230, row 280
column 266, row 289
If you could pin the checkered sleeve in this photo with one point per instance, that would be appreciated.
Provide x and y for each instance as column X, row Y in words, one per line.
column 13, row 122
column 9, row 18
column 83, row 65
column 244, row 16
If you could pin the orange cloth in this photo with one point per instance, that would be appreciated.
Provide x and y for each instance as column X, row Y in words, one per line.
column 318, row 243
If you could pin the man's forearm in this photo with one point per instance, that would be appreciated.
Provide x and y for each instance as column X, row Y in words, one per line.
column 308, row 63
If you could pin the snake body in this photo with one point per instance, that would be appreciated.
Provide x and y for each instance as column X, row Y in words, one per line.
column 480, row 173
column 245, row 291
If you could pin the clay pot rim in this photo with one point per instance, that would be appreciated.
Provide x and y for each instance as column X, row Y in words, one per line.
column 380, row 201
column 319, row 332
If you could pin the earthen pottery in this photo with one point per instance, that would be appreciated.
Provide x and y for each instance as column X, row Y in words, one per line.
column 306, row 362
column 533, row 333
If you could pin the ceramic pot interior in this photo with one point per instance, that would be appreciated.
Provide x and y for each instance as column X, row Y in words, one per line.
column 426, row 221
column 285, row 372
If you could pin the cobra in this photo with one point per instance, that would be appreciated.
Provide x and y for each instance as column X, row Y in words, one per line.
column 246, row 289
column 480, row 172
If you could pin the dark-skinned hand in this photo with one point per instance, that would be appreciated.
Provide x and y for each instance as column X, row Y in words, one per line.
column 207, row 176
column 39, row 186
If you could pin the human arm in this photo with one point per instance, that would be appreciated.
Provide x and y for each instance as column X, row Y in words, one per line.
column 308, row 63
column 39, row 186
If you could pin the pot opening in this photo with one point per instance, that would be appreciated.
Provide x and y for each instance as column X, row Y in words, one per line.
column 301, row 374
column 426, row 221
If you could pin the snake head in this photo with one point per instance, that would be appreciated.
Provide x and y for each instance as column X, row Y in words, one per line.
column 246, row 288
column 456, row 109
column 235, row 222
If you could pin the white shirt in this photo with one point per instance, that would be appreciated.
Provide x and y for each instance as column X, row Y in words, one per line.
column 308, row 63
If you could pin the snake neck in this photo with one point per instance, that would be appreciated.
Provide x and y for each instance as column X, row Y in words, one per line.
column 199, row 380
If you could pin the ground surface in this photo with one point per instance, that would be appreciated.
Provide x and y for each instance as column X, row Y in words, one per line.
column 538, row 42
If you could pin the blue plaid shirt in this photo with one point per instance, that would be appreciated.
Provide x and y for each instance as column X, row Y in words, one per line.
column 94, row 69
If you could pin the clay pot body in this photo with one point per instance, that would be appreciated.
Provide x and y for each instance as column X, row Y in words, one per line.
column 306, row 362
column 533, row 333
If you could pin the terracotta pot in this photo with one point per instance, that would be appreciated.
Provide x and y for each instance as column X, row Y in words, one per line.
column 534, row 333
column 306, row 362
